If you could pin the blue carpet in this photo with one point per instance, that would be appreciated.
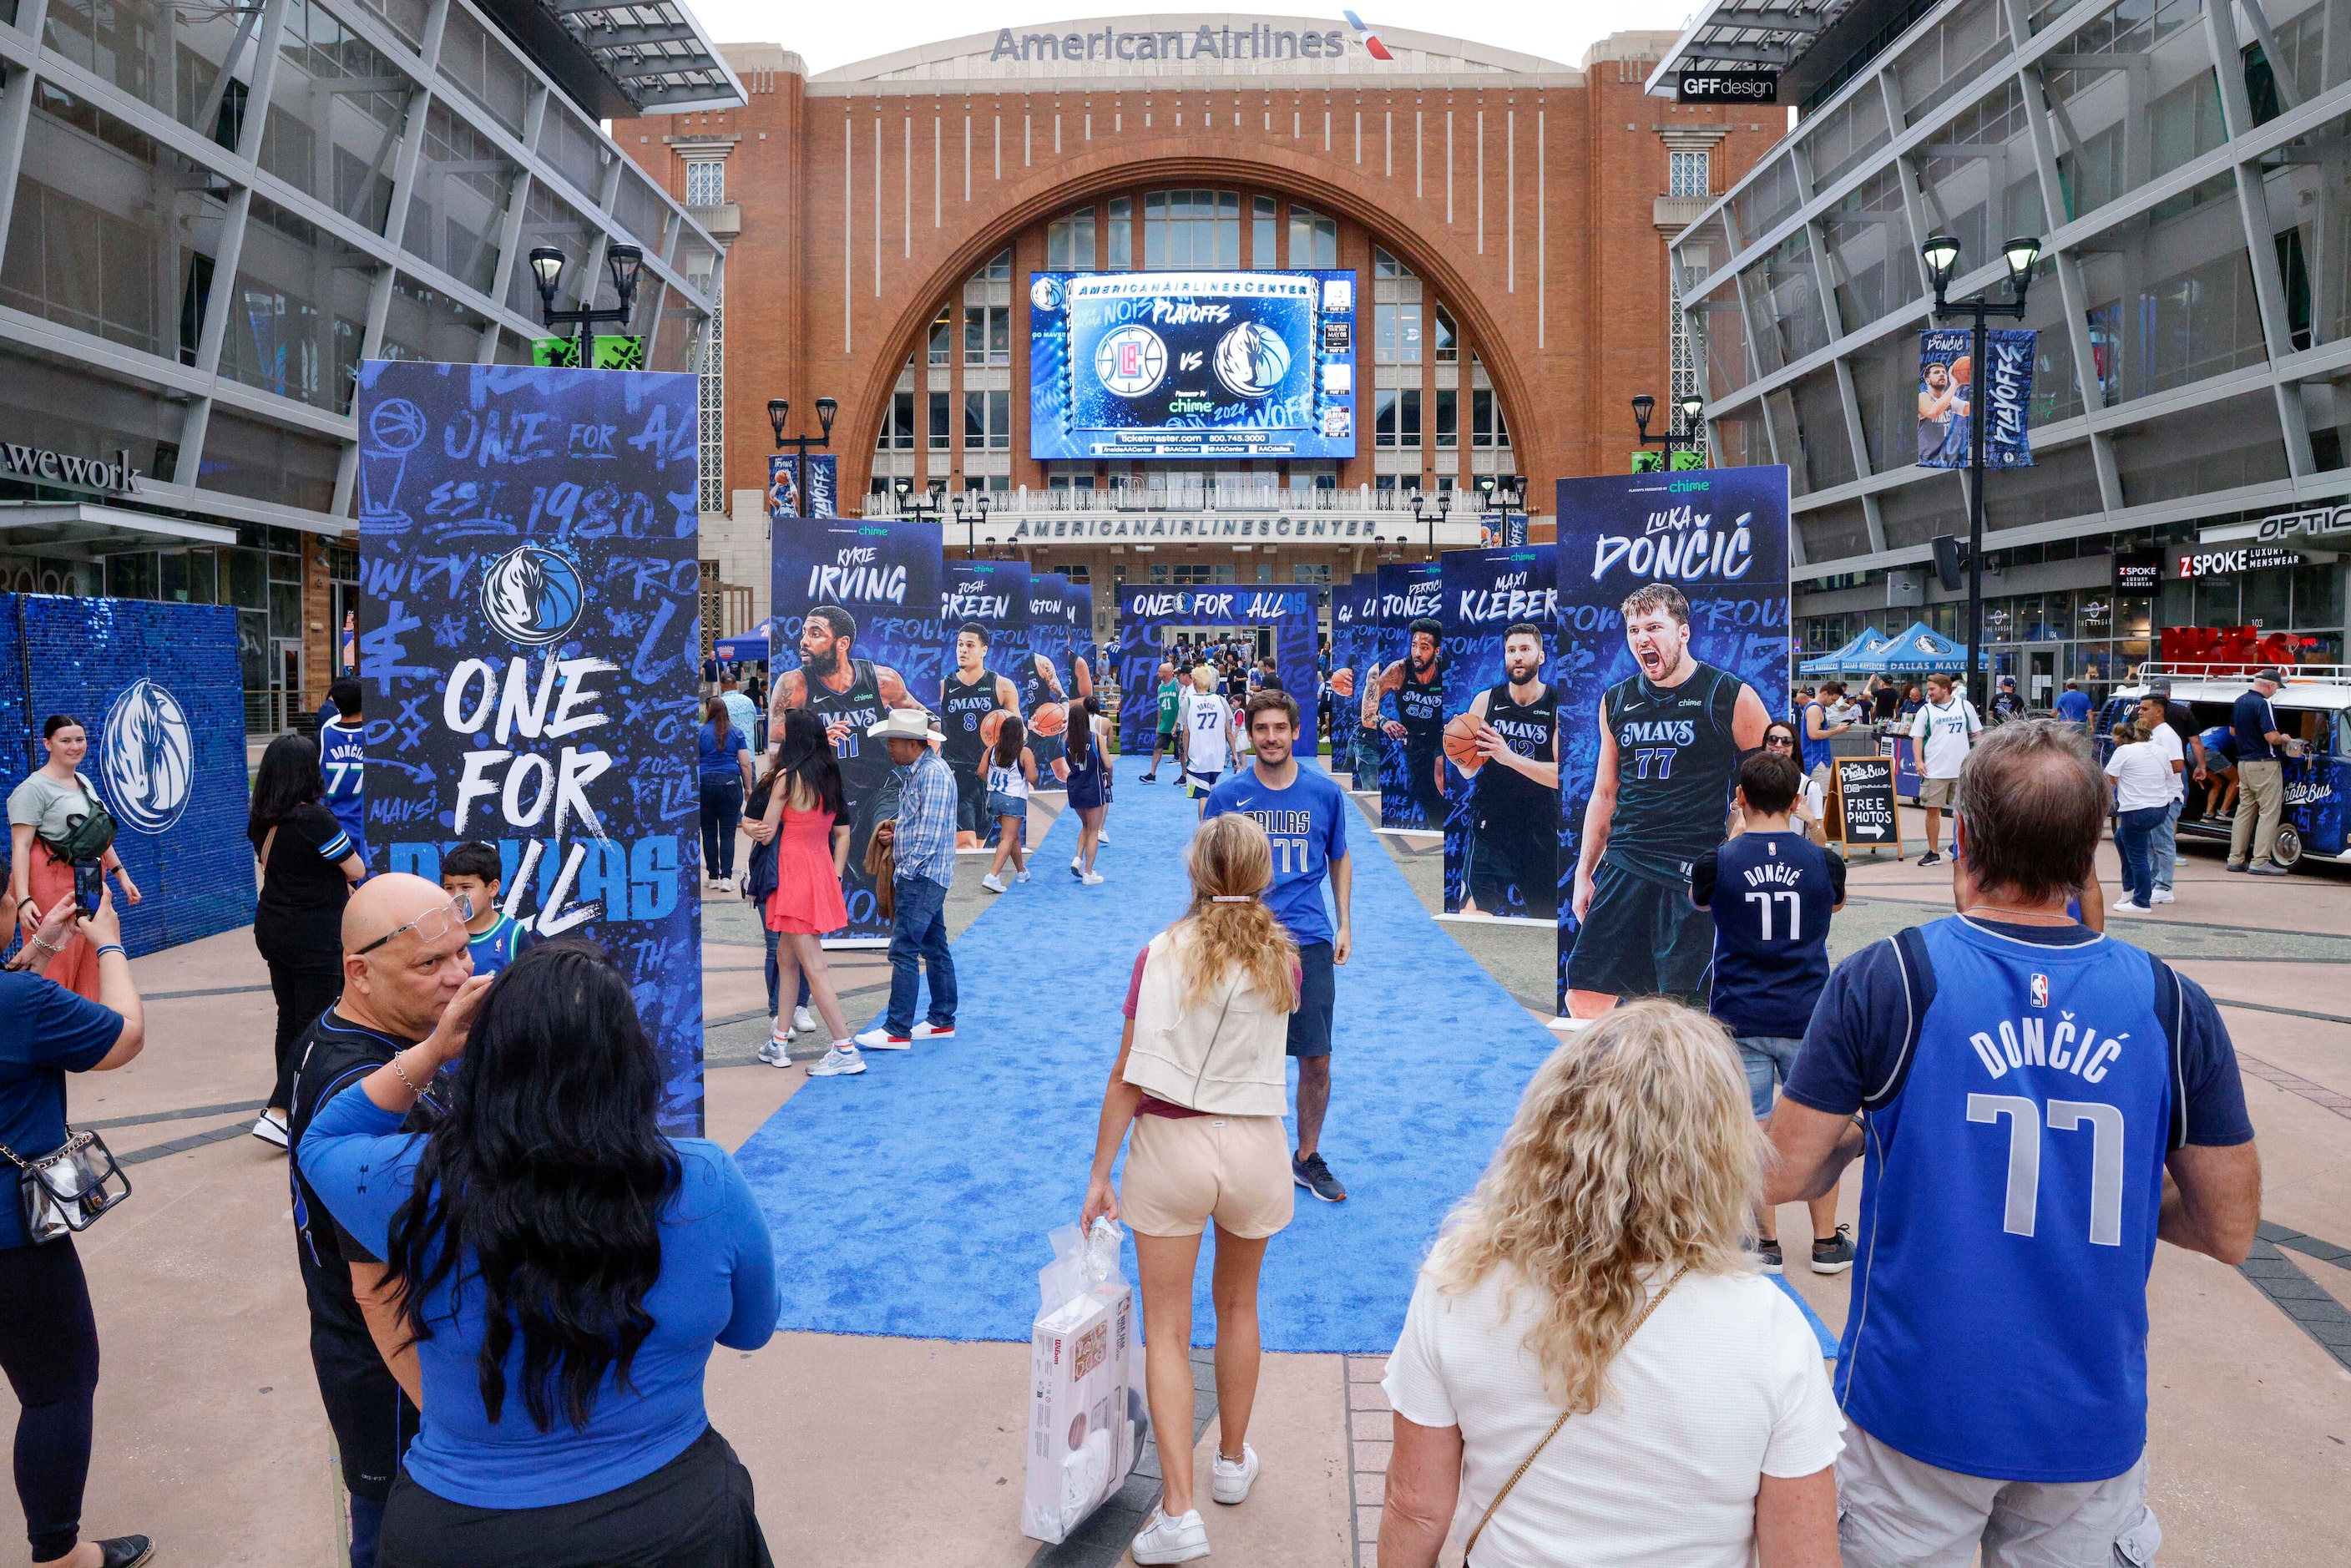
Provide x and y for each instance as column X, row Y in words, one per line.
column 916, row 1198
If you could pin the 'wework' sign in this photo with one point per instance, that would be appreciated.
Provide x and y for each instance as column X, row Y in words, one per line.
column 43, row 466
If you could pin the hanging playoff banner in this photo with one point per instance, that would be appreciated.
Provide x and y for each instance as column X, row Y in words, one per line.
column 532, row 629
column 803, row 488
column 856, row 633
column 1403, row 697
column 1951, row 388
column 1501, row 734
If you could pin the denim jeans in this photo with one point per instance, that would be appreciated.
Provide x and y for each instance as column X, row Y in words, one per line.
column 803, row 1001
column 2134, row 835
column 2163, row 849
column 722, row 811
column 918, row 939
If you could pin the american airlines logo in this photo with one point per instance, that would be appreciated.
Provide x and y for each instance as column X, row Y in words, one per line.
column 41, row 465
column 1368, row 40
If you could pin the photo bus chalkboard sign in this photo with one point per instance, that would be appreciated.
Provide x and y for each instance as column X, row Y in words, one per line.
column 1862, row 813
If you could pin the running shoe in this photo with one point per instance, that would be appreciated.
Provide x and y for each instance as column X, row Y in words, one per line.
column 928, row 1030
column 1103, row 837
column 2268, row 868
column 993, row 883
column 1023, row 876
column 2163, row 895
column 837, row 1062
column 1315, row 1176
column 2126, row 906
column 1768, row 1258
column 1834, row 1255
column 775, row 1052
column 1165, row 1539
column 1932, row 857
column 270, row 1127
column 879, row 1038
column 1091, row 879
column 2234, row 866
column 1228, row 1479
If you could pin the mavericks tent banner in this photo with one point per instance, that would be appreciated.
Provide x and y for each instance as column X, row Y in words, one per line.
column 532, row 630
column 1951, row 388
column 1404, row 697
column 857, row 634
column 1673, row 658
column 1501, row 734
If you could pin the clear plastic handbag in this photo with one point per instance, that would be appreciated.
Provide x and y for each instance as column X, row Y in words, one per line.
column 63, row 1192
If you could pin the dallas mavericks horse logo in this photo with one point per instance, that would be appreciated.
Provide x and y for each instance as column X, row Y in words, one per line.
column 147, row 757
column 1251, row 359
column 531, row 595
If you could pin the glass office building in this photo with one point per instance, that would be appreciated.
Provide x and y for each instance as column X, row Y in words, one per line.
column 209, row 215
column 2188, row 169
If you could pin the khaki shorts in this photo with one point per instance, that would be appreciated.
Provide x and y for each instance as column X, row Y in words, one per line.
column 1894, row 1512
column 1182, row 1170
column 1937, row 791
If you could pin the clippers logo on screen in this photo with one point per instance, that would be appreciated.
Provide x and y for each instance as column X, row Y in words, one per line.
column 1131, row 362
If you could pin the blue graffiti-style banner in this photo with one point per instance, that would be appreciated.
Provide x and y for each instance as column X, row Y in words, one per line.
column 803, row 488
column 1411, row 786
column 529, row 635
column 1501, row 849
column 1952, row 390
column 1719, row 538
column 856, row 633
column 1354, row 608
column 1146, row 616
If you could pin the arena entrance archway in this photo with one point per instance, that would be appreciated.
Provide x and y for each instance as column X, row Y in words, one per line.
column 1145, row 616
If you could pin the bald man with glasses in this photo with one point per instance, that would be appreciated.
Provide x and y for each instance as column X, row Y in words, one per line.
column 407, row 974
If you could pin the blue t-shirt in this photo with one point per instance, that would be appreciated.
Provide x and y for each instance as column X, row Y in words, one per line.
column 2254, row 720
column 717, row 1284
column 714, row 760
column 501, row 945
column 1308, row 825
column 342, row 762
column 2073, row 706
column 1771, row 895
column 46, row 1032
column 2012, row 1178
column 2220, row 745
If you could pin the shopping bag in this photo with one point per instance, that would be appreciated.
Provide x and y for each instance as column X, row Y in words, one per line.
column 1085, row 1395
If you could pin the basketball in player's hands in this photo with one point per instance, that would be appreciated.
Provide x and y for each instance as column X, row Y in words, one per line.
column 991, row 726
column 1343, row 683
column 1461, row 732
column 1053, row 718
column 1964, row 370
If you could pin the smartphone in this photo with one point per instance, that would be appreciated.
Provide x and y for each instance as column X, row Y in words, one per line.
column 89, row 886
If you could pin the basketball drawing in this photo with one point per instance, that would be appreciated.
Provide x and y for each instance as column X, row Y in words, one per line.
column 1461, row 732
column 991, row 726
column 1964, row 370
column 1053, row 718
column 1343, row 683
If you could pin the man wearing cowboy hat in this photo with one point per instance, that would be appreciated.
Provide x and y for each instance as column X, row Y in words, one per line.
column 923, row 840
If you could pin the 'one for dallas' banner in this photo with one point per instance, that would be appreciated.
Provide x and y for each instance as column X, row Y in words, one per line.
column 1673, row 657
column 1951, row 387
column 531, row 630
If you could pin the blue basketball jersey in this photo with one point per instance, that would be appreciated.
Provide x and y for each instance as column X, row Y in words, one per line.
column 501, row 945
column 342, row 761
column 2013, row 1171
column 1771, row 899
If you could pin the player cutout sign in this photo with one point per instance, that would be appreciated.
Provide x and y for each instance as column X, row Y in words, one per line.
column 1501, row 734
column 1404, row 697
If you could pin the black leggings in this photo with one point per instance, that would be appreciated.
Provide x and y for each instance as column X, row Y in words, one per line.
column 306, row 984
column 49, row 1347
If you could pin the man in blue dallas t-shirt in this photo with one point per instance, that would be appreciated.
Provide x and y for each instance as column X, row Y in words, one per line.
column 2039, row 1104
column 1771, row 892
column 1304, row 813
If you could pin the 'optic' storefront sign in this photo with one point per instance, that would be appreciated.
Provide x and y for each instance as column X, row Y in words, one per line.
column 2316, row 521
column 1225, row 44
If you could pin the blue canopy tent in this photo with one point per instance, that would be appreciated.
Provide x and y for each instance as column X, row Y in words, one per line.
column 744, row 646
column 1849, row 656
column 1919, row 651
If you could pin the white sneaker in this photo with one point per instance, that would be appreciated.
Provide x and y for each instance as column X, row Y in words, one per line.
column 993, row 883
column 1103, row 837
column 804, row 1021
column 934, row 1032
column 837, row 1062
column 879, row 1038
column 2125, row 906
column 1023, row 876
column 774, row 1053
column 1165, row 1539
column 2163, row 895
column 1077, row 867
column 1229, row 1482
column 270, row 1127
column 1091, row 879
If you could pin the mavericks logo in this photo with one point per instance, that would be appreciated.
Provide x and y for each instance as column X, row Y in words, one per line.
column 531, row 595
column 147, row 757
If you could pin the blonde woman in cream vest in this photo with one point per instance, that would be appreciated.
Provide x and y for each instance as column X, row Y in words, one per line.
column 1199, row 1078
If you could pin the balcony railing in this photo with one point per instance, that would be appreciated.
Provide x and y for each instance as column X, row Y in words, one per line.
column 1237, row 492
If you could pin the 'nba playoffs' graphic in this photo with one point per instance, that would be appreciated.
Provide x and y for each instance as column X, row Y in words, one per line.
column 1192, row 364
column 1501, row 734
column 530, row 625
column 1404, row 697
column 856, row 626
column 1672, row 609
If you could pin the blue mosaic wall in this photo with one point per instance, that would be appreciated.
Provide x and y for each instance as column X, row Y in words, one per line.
column 157, row 687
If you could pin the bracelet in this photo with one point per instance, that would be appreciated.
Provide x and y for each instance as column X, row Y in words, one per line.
column 50, row 948
column 401, row 1073
column 113, row 947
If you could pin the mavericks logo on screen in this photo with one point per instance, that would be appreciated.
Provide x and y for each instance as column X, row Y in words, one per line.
column 531, row 595
column 147, row 757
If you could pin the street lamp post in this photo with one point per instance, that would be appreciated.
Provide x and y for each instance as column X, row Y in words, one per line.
column 1432, row 510
column 1499, row 494
column 921, row 506
column 971, row 506
column 779, row 410
column 1941, row 253
column 1686, row 412
column 625, row 263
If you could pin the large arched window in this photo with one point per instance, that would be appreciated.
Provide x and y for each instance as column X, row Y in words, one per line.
column 1313, row 239
column 1192, row 230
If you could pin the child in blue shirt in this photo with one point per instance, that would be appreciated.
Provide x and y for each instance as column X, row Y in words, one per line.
column 496, row 938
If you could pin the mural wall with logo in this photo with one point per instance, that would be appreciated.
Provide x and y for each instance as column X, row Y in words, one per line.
column 531, row 637
column 158, row 689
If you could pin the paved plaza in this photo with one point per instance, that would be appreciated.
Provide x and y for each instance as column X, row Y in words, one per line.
column 886, row 1451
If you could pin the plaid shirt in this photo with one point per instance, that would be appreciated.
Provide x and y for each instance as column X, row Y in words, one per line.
column 926, row 841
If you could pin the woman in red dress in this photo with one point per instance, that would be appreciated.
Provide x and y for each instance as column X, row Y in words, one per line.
column 808, row 820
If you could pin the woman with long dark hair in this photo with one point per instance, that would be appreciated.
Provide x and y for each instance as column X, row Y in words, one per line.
column 723, row 767
column 808, row 818
column 1011, row 775
column 563, row 1270
column 41, row 813
column 307, row 866
column 1088, row 765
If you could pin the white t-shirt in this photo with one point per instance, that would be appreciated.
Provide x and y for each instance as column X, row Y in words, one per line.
column 2166, row 743
column 1206, row 716
column 1723, row 1386
column 2142, row 775
column 1944, row 733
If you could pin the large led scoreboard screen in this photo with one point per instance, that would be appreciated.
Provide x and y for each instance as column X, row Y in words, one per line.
column 1191, row 364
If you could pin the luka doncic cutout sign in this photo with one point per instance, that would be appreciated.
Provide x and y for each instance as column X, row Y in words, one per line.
column 530, row 631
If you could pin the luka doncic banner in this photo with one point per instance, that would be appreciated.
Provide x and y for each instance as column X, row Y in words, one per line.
column 1501, row 734
column 1952, row 388
column 1148, row 619
column 1403, row 697
column 803, row 488
column 531, row 630
column 1673, row 657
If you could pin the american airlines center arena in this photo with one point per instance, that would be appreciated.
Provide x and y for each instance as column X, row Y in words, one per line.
column 1191, row 299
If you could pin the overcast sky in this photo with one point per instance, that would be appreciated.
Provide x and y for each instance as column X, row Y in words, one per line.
column 836, row 34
